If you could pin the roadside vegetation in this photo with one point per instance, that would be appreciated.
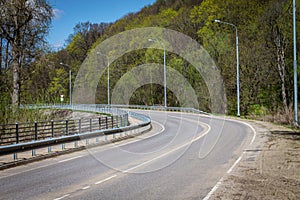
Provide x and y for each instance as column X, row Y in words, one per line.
column 31, row 70
column 31, row 115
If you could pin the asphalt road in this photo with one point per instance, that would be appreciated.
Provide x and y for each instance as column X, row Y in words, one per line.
column 183, row 157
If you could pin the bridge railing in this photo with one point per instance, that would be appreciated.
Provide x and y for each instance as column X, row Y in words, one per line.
column 118, row 108
column 99, row 108
column 62, row 131
column 160, row 108
column 26, row 136
column 42, row 130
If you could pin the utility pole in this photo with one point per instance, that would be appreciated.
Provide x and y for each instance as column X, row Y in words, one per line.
column 165, row 71
column 295, row 66
column 70, row 80
column 237, row 64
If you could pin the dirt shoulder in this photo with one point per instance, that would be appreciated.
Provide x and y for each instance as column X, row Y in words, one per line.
column 269, row 169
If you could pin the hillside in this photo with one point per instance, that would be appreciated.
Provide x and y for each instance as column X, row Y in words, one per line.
column 265, row 56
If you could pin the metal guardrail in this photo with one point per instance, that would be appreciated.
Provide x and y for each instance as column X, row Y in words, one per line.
column 119, row 125
column 161, row 108
column 100, row 108
column 111, row 109
column 27, row 132
column 117, row 109
column 4, row 150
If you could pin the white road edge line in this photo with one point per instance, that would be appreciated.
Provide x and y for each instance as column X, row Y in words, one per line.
column 130, row 142
column 213, row 189
column 26, row 171
column 235, row 163
column 162, row 130
column 62, row 197
column 86, row 187
column 123, row 144
column 61, row 161
column 251, row 127
column 43, row 166
column 107, row 179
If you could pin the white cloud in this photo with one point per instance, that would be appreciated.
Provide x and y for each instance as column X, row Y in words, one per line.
column 57, row 46
column 57, row 13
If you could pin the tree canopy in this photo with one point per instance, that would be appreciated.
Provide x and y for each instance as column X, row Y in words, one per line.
column 265, row 49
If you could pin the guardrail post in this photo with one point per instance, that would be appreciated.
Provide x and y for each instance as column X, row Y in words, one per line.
column 106, row 123
column 112, row 121
column 121, row 121
column 117, row 121
column 124, row 120
column 91, row 125
column 79, row 125
column 17, row 133
column 15, row 156
column 35, row 131
column 99, row 122
column 52, row 129
column 67, row 127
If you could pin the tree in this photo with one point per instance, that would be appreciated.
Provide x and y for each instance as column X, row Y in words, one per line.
column 58, row 84
column 84, row 36
column 23, row 27
column 278, row 35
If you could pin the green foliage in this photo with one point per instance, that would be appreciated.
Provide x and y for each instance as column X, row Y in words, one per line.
column 257, row 110
column 74, row 48
column 23, row 25
column 58, row 85
column 257, row 21
column 10, row 116
column 259, row 24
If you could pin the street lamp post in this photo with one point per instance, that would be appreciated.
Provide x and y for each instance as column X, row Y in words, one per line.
column 295, row 66
column 70, row 81
column 237, row 63
column 165, row 71
column 108, row 81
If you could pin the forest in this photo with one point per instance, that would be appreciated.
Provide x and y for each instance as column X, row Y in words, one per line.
column 31, row 72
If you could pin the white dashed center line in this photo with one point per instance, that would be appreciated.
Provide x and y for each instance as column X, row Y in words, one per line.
column 102, row 181
column 69, row 159
column 85, row 188
column 62, row 197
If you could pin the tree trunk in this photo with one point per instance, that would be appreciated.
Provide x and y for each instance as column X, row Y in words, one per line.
column 16, row 80
column 280, row 54
column 281, row 69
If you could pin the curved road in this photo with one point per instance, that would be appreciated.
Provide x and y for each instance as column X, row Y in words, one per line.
column 183, row 157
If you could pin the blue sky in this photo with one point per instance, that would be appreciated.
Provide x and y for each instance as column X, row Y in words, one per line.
column 70, row 12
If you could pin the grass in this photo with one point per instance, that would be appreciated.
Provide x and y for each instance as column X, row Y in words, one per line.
column 10, row 116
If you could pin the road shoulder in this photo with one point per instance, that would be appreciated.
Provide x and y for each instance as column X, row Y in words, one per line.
column 269, row 168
